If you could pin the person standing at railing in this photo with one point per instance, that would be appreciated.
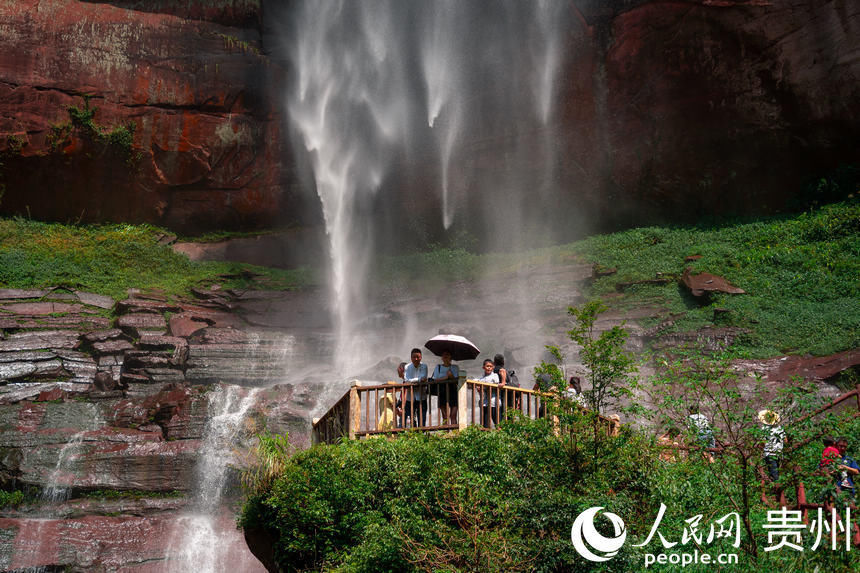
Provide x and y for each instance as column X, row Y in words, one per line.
column 505, row 398
column 490, row 396
column 415, row 398
column 398, row 407
column 447, row 375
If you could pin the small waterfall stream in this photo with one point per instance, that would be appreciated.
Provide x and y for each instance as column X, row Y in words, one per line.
column 203, row 539
column 58, row 489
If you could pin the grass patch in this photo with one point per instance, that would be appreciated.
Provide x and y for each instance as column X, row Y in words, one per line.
column 800, row 274
column 112, row 494
column 109, row 259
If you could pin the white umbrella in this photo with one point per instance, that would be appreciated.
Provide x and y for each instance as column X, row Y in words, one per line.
column 460, row 347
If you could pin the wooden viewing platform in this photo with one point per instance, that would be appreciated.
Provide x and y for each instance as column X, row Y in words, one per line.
column 370, row 409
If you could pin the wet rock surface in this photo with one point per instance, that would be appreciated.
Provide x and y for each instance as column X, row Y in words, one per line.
column 122, row 405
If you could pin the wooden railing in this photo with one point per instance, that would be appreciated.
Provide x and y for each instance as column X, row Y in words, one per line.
column 374, row 409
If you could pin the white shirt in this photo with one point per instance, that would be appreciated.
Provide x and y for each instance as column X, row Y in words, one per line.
column 413, row 375
column 491, row 378
column 572, row 394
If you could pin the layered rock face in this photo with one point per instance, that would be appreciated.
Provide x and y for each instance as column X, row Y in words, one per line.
column 179, row 129
column 97, row 396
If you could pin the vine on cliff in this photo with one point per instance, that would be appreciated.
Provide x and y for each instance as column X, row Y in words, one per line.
column 117, row 138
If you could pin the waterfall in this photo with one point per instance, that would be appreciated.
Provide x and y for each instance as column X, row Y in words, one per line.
column 54, row 491
column 205, row 537
column 57, row 486
column 387, row 89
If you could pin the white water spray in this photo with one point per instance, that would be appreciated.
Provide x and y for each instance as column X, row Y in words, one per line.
column 202, row 543
column 381, row 85
column 58, row 485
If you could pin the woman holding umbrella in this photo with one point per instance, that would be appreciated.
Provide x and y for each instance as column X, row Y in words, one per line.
column 457, row 348
column 447, row 392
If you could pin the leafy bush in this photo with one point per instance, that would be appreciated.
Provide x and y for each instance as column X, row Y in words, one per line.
column 11, row 498
column 501, row 501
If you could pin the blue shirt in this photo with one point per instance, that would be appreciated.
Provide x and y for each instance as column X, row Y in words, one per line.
column 846, row 480
column 441, row 371
column 413, row 374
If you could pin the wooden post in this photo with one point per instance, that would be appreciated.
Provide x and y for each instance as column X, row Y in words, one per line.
column 801, row 502
column 462, row 398
column 354, row 409
column 315, row 432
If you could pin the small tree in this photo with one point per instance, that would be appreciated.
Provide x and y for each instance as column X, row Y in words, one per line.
column 609, row 371
column 717, row 389
column 609, row 366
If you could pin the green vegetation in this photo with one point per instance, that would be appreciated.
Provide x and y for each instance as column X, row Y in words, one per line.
column 119, row 138
column 232, row 42
column 506, row 500
column 799, row 273
column 11, row 498
column 109, row 259
column 15, row 143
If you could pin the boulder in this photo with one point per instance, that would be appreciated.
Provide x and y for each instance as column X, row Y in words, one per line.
column 707, row 283
column 112, row 346
column 185, row 325
column 136, row 324
column 104, row 382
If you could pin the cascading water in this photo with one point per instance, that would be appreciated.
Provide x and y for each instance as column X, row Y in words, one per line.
column 58, row 489
column 384, row 95
column 55, row 491
column 205, row 536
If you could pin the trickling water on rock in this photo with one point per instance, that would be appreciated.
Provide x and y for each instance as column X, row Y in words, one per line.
column 206, row 540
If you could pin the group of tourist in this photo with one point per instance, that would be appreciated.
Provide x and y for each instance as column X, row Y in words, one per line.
column 410, row 409
column 835, row 460
column 494, row 395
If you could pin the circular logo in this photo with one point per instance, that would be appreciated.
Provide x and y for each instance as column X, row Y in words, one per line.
column 585, row 537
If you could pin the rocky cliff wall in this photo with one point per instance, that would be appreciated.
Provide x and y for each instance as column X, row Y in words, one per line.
column 105, row 411
column 667, row 110
column 180, row 127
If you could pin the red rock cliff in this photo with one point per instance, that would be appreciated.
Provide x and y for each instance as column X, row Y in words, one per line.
column 668, row 110
column 188, row 78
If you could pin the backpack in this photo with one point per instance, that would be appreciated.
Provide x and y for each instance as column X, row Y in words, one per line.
column 512, row 379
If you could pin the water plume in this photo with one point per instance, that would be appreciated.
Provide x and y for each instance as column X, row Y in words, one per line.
column 396, row 103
